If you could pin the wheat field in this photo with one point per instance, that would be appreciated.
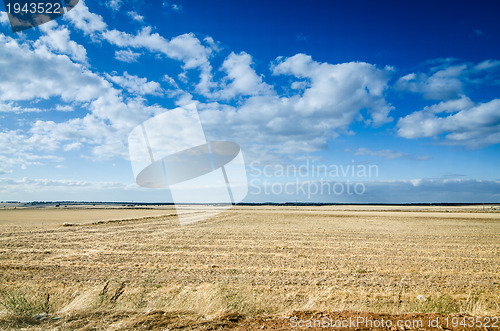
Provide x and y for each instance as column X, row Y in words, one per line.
column 67, row 269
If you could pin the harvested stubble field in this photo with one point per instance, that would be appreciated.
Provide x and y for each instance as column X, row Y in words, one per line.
column 247, row 268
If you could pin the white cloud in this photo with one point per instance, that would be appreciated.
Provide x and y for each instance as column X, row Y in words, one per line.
column 44, row 75
column 300, row 85
column 442, row 85
column 186, row 48
column 389, row 154
column 448, row 79
column 112, row 120
column 450, row 106
column 173, row 6
column 170, row 81
column 105, row 139
column 136, row 17
column 127, row 55
column 103, row 129
column 488, row 64
column 243, row 80
column 11, row 107
column 457, row 120
column 73, row 146
column 136, row 85
column 385, row 153
column 114, row 4
column 84, row 20
column 58, row 40
column 4, row 18
column 65, row 108
column 212, row 43
column 335, row 97
column 18, row 152
column 206, row 83
column 463, row 123
column 339, row 91
column 23, row 160
column 12, row 142
column 320, row 109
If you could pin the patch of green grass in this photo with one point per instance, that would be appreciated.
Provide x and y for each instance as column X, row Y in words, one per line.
column 21, row 302
column 239, row 301
column 443, row 304
column 233, row 271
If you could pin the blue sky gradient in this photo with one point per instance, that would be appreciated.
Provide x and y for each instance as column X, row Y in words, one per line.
column 410, row 87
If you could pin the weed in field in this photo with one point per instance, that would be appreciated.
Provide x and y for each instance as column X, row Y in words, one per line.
column 23, row 303
column 106, row 299
column 442, row 304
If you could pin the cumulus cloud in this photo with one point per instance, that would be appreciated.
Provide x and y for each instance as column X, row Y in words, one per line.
column 442, row 85
column 456, row 120
column 333, row 98
column 325, row 98
column 459, row 123
column 127, row 55
column 340, row 90
column 104, row 129
column 22, row 160
column 451, row 106
column 44, row 75
column 81, row 18
column 57, row 40
column 11, row 107
column 11, row 142
column 64, row 108
column 447, row 79
column 136, row 85
column 186, row 48
column 73, row 146
column 114, row 4
column 136, row 17
column 170, row 81
column 310, row 103
column 4, row 18
column 242, row 78
column 487, row 64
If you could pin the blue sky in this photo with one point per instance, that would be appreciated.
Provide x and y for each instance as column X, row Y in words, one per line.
column 412, row 89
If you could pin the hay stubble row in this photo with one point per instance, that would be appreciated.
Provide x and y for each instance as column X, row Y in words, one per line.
column 258, row 260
